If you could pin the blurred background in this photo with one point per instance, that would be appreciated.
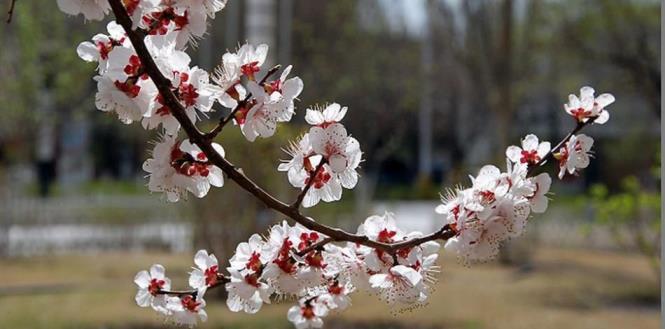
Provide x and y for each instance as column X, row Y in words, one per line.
column 435, row 88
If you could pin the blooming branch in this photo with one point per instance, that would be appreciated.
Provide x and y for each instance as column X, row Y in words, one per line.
column 144, row 75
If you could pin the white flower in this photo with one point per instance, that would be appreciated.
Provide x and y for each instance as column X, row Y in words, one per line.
column 574, row 155
column 186, row 24
column 333, row 113
column 381, row 229
column 91, row 9
column 402, row 284
column 339, row 149
column 539, row 199
column 480, row 227
column 169, row 59
column 245, row 62
column 302, row 156
column 195, row 93
column 307, row 314
column 288, row 273
column 587, row 106
column 249, row 255
column 246, row 292
column 251, row 59
column 131, row 100
column 187, row 310
column 488, row 187
column 349, row 264
column 98, row 50
column 178, row 167
column 261, row 115
column 206, row 273
column 289, row 89
column 531, row 151
column 342, row 155
column 150, row 284
column 137, row 9
column 336, row 296
column 515, row 177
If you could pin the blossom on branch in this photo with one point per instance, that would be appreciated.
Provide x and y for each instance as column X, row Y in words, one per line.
column 150, row 284
column 206, row 272
column 247, row 289
column 308, row 313
column 531, row 151
column 588, row 107
column 574, row 155
column 98, row 50
column 330, row 114
column 187, row 310
column 323, row 161
column 176, row 167
column 296, row 261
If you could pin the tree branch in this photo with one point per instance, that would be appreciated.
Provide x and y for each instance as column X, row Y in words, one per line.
column 195, row 135
column 10, row 13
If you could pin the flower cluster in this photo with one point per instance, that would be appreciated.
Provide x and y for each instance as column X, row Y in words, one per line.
column 186, row 20
column 259, row 105
column 298, row 261
column 325, row 159
column 292, row 262
column 497, row 205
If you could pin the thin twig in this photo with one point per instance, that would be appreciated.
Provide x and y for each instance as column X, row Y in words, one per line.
column 312, row 176
column 550, row 154
column 10, row 13
column 317, row 246
column 221, row 280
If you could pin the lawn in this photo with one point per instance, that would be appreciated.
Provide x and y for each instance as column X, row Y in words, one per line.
column 562, row 289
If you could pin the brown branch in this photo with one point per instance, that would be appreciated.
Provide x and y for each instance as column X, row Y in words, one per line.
column 10, row 13
column 224, row 120
column 197, row 137
column 316, row 246
column 312, row 176
column 221, row 280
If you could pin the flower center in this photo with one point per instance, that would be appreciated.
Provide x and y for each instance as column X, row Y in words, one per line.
column 386, row 236
column 487, row 196
column 128, row 87
column 529, row 156
column 284, row 259
column 580, row 113
column 211, row 275
column 320, row 179
column 190, row 304
column 155, row 286
column 308, row 312
column 254, row 262
column 307, row 239
column 335, row 288
column 249, row 69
